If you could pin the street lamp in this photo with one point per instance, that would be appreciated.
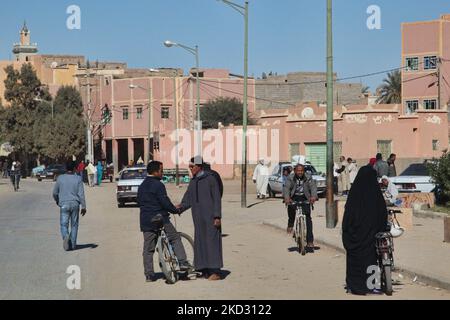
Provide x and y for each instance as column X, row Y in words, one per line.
column 193, row 51
column 150, row 118
column 243, row 10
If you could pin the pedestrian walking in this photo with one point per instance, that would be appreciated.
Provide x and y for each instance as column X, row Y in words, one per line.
column 80, row 168
column 343, row 178
column 392, row 172
column 5, row 169
column 381, row 166
column 69, row 196
column 15, row 173
column 99, row 173
column 365, row 215
column 153, row 201
column 90, row 169
column 203, row 198
column 261, row 178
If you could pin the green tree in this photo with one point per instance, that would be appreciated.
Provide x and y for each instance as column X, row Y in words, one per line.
column 439, row 170
column 63, row 136
column 391, row 89
column 223, row 109
column 17, row 121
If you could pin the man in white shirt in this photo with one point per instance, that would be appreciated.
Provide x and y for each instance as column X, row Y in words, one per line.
column 261, row 178
column 391, row 193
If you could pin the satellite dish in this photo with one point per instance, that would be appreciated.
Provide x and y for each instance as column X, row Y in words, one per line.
column 308, row 113
column 54, row 64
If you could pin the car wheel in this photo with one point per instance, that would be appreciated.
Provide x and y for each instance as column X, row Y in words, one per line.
column 39, row 180
column 54, row 178
column 120, row 204
column 111, row 179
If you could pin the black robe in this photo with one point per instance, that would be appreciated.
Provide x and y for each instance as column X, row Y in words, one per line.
column 203, row 197
column 365, row 215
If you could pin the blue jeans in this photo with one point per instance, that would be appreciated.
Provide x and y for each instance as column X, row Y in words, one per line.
column 70, row 213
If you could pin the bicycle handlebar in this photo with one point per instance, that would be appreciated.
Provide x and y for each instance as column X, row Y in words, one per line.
column 392, row 211
column 299, row 203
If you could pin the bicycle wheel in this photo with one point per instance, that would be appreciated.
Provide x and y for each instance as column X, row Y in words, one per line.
column 167, row 261
column 188, row 244
column 303, row 235
column 387, row 275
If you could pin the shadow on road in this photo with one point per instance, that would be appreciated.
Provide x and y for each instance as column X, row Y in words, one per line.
column 86, row 246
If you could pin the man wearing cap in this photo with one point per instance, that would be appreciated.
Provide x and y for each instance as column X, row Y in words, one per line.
column 204, row 199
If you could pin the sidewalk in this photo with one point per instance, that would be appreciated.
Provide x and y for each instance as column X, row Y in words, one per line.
column 419, row 252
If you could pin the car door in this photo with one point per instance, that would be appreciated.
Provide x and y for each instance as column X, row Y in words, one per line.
column 278, row 181
column 273, row 178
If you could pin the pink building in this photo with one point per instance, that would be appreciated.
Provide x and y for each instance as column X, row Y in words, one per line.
column 126, row 137
column 426, row 62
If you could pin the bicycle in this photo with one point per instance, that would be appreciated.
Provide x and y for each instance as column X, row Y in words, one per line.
column 384, row 242
column 168, row 262
column 300, row 226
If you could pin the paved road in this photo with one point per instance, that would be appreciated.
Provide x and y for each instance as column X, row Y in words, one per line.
column 259, row 259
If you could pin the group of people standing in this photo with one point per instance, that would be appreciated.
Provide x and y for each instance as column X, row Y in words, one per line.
column 345, row 172
column 89, row 173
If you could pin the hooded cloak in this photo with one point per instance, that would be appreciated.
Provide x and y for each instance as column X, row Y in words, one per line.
column 365, row 215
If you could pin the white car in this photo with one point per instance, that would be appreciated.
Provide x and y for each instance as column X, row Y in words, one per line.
column 128, row 184
column 414, row 179
column 276, row 179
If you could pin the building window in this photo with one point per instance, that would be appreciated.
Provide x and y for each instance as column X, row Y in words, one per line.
column 125, row 113
column 412, row 106
column 412, row 64
column 385, row 148
column 430, row 104
column 435, row 145
column 294, row 149
column 430, row 63
column 165, row 113
column 139, row 113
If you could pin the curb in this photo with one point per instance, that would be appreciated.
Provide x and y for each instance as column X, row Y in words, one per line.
column 429, row 214
column 421, row 277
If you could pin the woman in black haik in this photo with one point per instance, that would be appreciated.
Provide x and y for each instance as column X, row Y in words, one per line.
column 365, row 215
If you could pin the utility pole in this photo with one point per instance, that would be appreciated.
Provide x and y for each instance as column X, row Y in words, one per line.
column 89, row 128
column 243, row 10
column 330, row 205
column 177, row 165
column 439, row 62
column 150, row 126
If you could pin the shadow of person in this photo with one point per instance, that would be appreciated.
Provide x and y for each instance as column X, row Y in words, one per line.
column 86, row 246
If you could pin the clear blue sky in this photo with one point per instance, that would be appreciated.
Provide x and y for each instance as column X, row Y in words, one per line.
column 285, row 35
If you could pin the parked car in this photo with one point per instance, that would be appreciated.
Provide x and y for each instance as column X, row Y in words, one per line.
column 276, row 179
column 414, row 179
column 53, row 171
column 37, row 170
column 128, row 183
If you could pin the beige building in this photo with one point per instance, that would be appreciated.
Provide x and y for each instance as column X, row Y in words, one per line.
column 53, row 70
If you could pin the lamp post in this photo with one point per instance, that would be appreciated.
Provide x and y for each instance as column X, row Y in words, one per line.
column 193, row 51
column 150, row 119
column 243, row 10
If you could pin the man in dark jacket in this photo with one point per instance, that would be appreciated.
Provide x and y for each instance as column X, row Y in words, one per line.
column 207, row 167
column 301, row 187
column 153, row 201
column 381, row 166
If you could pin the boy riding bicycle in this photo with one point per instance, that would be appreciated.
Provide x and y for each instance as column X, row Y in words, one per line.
column 301, row 187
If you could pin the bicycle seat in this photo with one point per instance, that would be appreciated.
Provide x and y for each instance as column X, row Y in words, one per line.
column 158, row 221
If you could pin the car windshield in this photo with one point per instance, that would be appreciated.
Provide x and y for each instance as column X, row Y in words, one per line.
column 416, row 169
column 133, row 174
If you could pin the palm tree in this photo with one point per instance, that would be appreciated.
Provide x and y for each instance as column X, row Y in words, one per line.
column 391, row 89
column 365, row 90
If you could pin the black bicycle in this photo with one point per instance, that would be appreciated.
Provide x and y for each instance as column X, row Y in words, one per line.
column 385, row 251
column 168, row 262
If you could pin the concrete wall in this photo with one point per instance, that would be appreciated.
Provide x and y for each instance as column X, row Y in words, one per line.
column 294, row 88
